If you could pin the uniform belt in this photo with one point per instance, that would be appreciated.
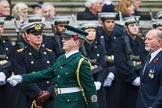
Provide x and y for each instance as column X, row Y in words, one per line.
column 66, row 90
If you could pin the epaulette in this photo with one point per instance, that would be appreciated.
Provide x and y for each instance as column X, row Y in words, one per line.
column 20, row 50
column 48, row 49
column 87, row 60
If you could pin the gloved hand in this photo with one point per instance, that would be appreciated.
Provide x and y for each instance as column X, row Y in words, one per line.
column 2, row 79
column 15, row 79
column 136, row 82
column 43, row 96
column 98, row 85
column 109, row 79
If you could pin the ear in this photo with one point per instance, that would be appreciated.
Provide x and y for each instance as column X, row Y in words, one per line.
column 27, row 36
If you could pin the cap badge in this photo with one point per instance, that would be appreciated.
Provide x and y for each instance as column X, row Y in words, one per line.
column 37, row 27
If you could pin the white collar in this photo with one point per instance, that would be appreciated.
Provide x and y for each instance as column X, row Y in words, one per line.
column 71, row 53
column 154, row 54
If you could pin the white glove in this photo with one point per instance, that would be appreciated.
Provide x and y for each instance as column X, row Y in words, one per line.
column 136, row 82
column 98, row 85
column 109, row 79
column 2, row 79
column 15, row 79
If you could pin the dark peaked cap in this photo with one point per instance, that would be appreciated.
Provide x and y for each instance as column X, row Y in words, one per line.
column 34, row 28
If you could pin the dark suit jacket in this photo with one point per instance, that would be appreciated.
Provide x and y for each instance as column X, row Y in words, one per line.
column 150, row 92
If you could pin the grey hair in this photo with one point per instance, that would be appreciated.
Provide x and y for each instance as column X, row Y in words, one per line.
column 89, row 3
column 159, row 34
column 48, row 4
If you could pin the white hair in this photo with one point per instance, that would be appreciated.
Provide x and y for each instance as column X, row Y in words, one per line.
column 89, row 3
column 48, row 4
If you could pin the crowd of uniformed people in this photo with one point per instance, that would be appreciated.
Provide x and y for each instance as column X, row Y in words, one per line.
column 116, row 52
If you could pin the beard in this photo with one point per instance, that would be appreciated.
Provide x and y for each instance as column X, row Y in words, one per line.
column 149, row 49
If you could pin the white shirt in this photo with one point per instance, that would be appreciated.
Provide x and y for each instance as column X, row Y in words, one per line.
column 154, row 54
column 71, row 53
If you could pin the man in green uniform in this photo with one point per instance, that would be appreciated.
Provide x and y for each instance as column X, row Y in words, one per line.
column 74, row 85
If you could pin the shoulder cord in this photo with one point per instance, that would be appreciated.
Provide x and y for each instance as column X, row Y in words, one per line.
column 78, row 80
column 34, row 104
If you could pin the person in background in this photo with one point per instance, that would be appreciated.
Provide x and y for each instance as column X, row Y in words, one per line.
column 107, row 34
column 108, row 6
column 126, row 8
column 5, row 52
column 48, row 11
column 130, row 54
column 37, row 8
column 157, row 24
column 93, row 7
column 33, row 57
column 58, row 29
column 94, row 51
column 150, row 94
column 137, row 12
column 74, row 84
column 159, row 14
column 20, row 11
column 5, row 10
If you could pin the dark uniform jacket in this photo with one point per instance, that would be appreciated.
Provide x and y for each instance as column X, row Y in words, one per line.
column 96, row 52
column 29, row 60
column 54, row 43
column 64, row 72
column 109, row 41
column 86, row 15
column 5, row 49
column 96, row 55
column 127, row 71
column 150, row 91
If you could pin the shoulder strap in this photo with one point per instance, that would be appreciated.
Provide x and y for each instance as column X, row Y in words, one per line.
column 78, row 80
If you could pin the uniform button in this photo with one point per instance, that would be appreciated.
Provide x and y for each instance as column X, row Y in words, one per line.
column 33, row 72
column 98, row 55
column 47, row 82
column 32, row 62
column 61, row 67
column 44, row 53
column 66, row 73
column 7, row 49
column 48, row 62
column 30, row 53
column 68, row 100
column 58, row 76
column 53, row 70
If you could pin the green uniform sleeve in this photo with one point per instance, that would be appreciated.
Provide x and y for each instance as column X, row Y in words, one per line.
column 39, row 76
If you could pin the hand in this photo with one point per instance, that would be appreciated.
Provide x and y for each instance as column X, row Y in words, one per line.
column 98, row 85
column 109, row 79
column 43, row 96
column 15, row 79
column 136, row 82
column 2, row 79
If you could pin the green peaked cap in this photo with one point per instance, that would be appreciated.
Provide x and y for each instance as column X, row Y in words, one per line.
column 72, row 31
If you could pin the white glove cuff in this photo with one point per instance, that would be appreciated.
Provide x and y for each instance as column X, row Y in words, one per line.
column 111, row 76
column 2, row 75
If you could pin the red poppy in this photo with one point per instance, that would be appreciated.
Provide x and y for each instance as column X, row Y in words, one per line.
column 75, row 36
column 155, row 60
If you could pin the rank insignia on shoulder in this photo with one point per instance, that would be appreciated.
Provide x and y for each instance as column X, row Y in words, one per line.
column 94, row 98
column 20, row 50
column 48, row 49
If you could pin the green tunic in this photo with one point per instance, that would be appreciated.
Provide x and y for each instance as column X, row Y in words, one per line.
column 63, row 71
